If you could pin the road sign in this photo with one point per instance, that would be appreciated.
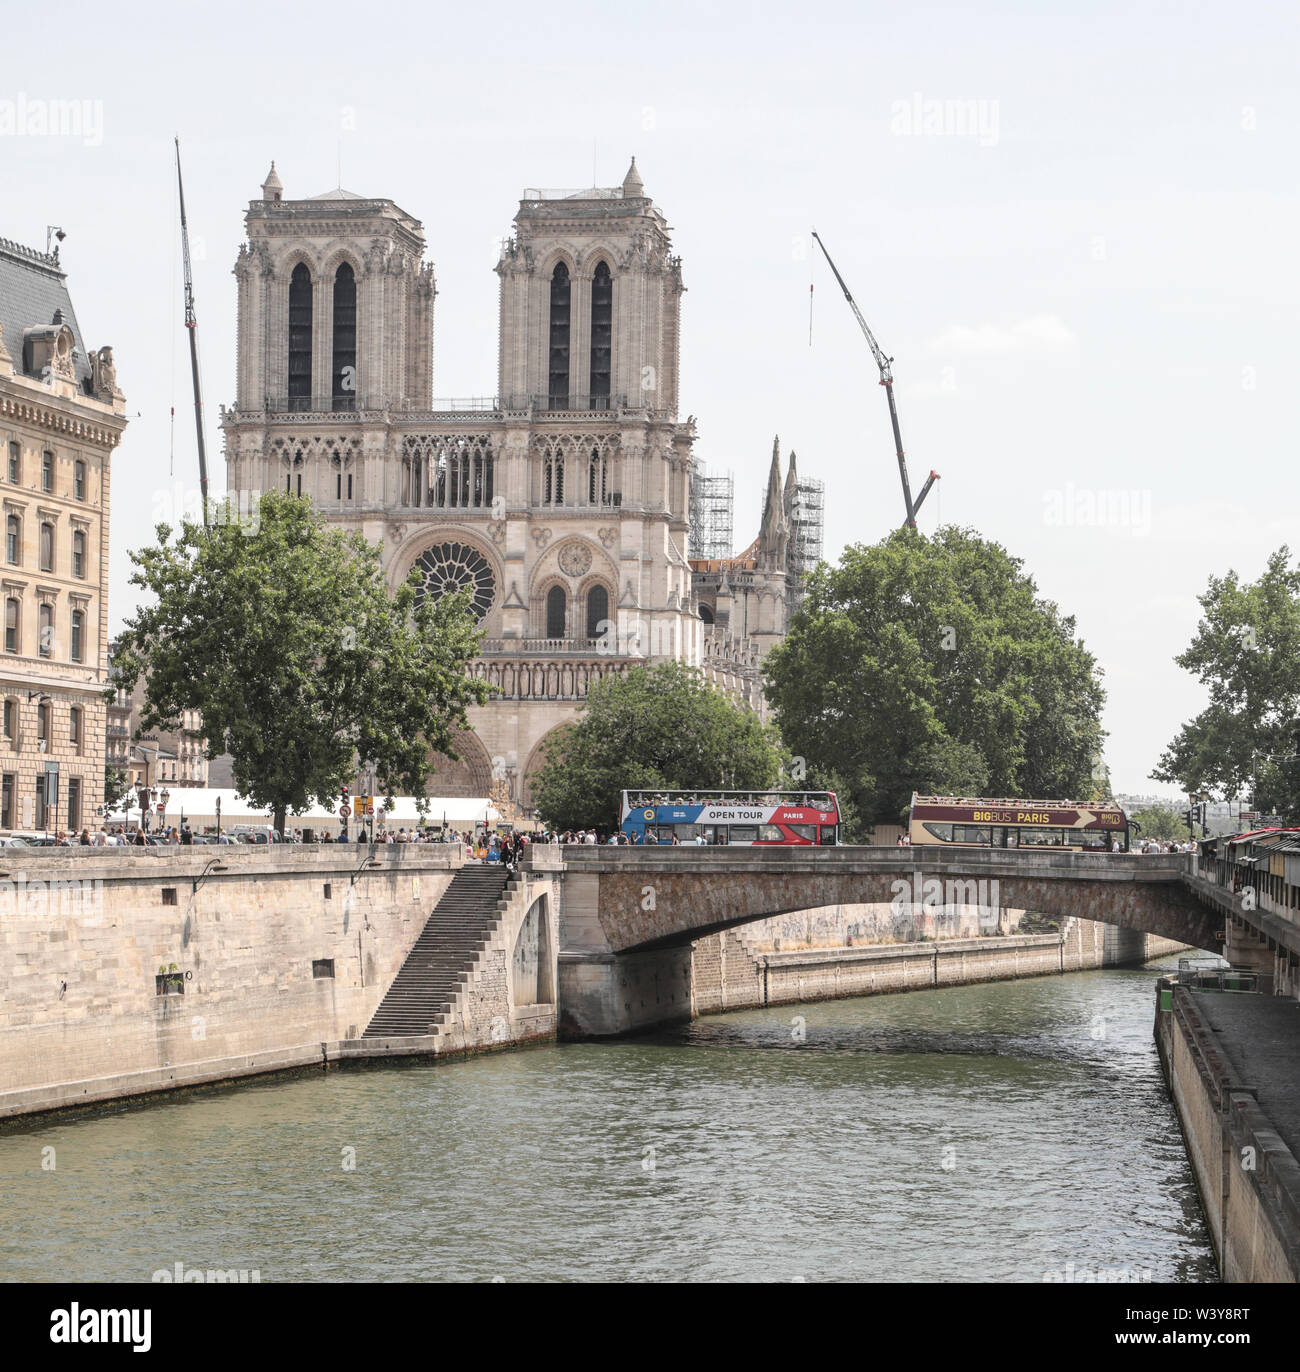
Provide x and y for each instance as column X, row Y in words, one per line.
column 344, row 812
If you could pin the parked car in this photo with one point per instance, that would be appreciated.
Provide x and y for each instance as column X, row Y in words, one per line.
column 33, row 838
column 12, row 841
column 247, row 833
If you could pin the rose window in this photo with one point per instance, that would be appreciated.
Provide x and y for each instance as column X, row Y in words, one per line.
column 450, row 567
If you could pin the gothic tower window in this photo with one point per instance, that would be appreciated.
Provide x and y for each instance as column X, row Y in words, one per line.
column 602, row 326
column 555, row 608
column 345, row 338
column 553, row 477
column 300, row 338
column 597, row 610
column 596, row 478
column 559, row 373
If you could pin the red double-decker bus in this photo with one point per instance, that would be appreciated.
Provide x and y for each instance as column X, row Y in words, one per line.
column 1086, row 826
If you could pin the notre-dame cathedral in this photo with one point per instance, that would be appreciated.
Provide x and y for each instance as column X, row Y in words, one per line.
column 564, row 501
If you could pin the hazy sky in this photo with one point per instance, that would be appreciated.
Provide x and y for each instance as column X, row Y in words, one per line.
column 1075, row 232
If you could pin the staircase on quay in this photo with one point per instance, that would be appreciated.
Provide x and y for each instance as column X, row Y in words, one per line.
column 437, row 968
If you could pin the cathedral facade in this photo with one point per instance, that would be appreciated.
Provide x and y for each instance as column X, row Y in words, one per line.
column 564, row 501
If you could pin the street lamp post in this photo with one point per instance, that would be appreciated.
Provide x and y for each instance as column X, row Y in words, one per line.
column 162, row 814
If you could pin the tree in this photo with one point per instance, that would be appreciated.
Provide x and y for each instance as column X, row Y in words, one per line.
column 282, row 633
column 116, row 785
column 1247, row 654
column 654, row 728
column 932, row 664
column 1159, row 821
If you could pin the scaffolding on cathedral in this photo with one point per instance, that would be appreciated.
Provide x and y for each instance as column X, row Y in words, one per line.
column 807, row 521
column 712, row 503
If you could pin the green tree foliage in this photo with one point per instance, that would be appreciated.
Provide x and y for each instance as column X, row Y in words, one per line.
column 282, row 633
column 932, row 664
column 1159, row 821
column 1247, row 654
column 661, row 728
column 116, row 786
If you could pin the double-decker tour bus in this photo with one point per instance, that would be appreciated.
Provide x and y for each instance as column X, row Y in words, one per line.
column 735, row 817
column 1100, row 827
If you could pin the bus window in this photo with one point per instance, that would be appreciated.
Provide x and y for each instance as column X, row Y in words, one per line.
column 940, row 831
column 743, row 833
column 807, row 832
column 971, row 833
column 829, row 834
column 769, row 833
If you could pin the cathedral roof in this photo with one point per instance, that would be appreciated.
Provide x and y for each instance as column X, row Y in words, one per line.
column 338, row 193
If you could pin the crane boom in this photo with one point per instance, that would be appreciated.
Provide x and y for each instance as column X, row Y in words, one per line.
column 885, row 364
column 191, row 323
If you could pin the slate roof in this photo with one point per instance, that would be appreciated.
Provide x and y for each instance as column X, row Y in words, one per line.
column 32, row 287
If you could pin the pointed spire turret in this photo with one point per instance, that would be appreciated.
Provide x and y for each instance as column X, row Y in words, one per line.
column 774, row 532
column 272, row 187
column 633, row 186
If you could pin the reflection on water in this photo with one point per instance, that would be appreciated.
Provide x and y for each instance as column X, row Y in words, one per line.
column 981, row 1133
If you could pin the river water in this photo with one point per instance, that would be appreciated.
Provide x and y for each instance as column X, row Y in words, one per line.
column 1001, row 1132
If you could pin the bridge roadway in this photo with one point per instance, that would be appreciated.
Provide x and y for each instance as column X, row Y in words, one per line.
column 628, row 916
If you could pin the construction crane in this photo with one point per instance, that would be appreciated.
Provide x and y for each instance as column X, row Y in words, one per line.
column 887, row 381
column 191, row 323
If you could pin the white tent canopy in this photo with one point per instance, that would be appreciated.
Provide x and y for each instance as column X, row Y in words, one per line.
column 198, row 805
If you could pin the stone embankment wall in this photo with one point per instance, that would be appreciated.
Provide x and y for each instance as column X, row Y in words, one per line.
column 278, row 961
column 862, row 950
column 1248, row 1178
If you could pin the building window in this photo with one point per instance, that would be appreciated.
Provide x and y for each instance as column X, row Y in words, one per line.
column 553, row 477
column 345, row 338
column 40, row 802
column 559, row 365
column 78, row 635
column 13, row 540
column 47, row 472
column 11, row 625
column 45, row 623
column 597, row 476
column 79, row 555
column 602, row 328
column 555, row 607
column 349, row 485
column 43, row 717
column 10, row 715
column 300, row 307
column 79, row 479
column 597, row 611
column 75, row 727
column 47, row 546
column 15, row 463
column 74, row 803
column 7, row 791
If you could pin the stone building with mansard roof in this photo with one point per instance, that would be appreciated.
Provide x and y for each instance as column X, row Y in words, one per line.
column 563, row 500
column 61, row 416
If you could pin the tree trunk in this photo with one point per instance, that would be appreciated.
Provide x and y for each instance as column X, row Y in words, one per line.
column 279, row 820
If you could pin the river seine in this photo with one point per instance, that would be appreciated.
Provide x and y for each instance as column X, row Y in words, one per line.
column 1014, row 1131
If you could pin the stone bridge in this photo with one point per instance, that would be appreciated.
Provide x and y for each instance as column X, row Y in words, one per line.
column 628, row 916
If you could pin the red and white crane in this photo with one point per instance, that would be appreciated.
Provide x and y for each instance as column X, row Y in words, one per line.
column 885, row 365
